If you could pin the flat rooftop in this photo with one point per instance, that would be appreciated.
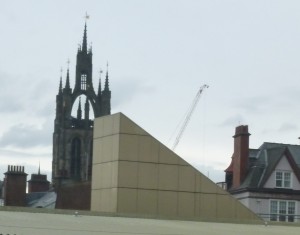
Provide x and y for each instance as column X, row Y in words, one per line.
column 29, row 223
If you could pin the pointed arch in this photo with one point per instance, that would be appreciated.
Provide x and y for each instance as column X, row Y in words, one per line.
column 75, row 106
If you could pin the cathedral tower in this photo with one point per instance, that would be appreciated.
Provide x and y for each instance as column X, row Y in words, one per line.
column 73, row 134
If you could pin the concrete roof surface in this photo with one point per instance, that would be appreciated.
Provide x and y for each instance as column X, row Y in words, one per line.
column 24, row 223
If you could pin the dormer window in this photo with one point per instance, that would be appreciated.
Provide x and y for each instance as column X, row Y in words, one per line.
column 283, row 179
column 83, row 82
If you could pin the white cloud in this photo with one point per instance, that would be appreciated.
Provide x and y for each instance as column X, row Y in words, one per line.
column 233, row 121
column 25, row 136
column 127, row 90
column 288, row 127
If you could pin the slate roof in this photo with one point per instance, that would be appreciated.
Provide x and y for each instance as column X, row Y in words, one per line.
column 41, row 199
column 263, row 161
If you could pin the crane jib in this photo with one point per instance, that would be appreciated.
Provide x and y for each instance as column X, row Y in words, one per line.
column 189, row 115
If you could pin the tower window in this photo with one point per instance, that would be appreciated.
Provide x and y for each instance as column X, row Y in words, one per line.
column 83, row 82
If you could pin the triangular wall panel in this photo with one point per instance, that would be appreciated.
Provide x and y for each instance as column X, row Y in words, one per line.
column 133, row 173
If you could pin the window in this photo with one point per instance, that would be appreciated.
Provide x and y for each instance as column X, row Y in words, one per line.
column 291, row 211
column 83, row 82
column 273, row 211
column 282, row 211
column 283, row 179
column 287, row 180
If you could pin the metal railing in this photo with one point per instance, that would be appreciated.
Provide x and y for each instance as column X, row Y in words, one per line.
column 280, row 217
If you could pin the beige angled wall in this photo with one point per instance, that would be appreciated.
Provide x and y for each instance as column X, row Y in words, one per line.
column 134, row 173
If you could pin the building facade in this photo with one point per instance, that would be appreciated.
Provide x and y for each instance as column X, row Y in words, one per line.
column 267, row 179
column 73, row 134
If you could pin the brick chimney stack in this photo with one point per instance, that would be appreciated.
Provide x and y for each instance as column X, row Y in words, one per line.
column 240, row 156
column 38, row 183
column 15, row 186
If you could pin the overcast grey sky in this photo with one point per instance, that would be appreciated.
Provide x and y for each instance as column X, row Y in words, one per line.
column 159, row 54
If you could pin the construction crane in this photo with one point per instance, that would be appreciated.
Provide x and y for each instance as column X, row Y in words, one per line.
column 189, row 115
